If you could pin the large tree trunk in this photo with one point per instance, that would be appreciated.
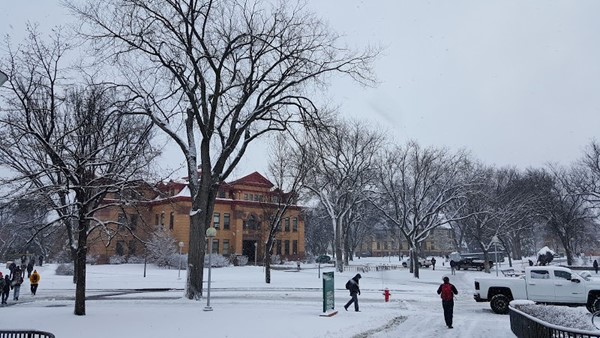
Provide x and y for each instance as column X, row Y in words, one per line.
column 80, row 268
column 268, row 253
column 415, row 261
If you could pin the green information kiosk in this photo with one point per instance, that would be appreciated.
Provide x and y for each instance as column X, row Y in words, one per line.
column 328, row 295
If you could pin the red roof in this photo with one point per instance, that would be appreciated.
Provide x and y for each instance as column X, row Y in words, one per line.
column 254, row 179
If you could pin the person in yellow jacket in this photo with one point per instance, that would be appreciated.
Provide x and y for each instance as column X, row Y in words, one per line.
column 34, row 280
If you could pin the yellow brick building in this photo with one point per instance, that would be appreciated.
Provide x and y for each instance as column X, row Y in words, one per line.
column 241, row 217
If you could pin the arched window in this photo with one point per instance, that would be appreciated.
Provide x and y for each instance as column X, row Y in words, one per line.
column 252, row 223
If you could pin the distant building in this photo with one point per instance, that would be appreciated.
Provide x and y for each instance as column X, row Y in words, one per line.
column 241, row 217
column 383, row 243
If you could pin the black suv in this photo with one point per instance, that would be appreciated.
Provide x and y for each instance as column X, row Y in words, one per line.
column 472, row 263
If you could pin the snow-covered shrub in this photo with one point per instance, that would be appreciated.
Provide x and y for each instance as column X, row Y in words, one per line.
column 238, row 260
column 135, row 260
column 65, row 269
column 275, row 259
column 174, row 261
column 117, row 259
column 63, row 256
column 91, row 259
column 161, row 248
column 217, row 261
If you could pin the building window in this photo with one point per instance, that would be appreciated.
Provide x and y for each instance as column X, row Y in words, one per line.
column 131, row 248
column 171, row 220
column 295, row 224
column 245, row 197
column 287, row 225
column 162, row 218
column 294, row 247
column 278, row 247
column 286, row 247
column 221, row 194
column 133, row 221
column 252, row 223
column 122, row 220
column 120, row 249
column 226, row 220
column 225, row 247
column 385, row 245
column 378, row 246
column 215, row 246
column 216, row 220
column 256, row 197
column 156, row 219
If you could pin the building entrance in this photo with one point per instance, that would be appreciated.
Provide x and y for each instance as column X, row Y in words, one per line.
column 248, row 250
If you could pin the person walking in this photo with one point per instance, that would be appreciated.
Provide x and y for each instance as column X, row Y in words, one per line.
column 16, row 282
column 34, row 280
column 29, row 268
column 447, row 292
column 352, row 286
column 433, row 262
column 2, row 284
column 453, row 267
column 5, row 289
column 595, row 266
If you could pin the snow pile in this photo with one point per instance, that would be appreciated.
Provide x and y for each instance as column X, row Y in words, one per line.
column 576, row 318
column 545, row 250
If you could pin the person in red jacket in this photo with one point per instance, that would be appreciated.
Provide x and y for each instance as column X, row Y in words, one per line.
column 447, row 292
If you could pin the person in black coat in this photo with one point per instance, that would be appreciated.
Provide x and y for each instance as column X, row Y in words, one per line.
column 6, row 289
column 352, row 286
column 595, row 266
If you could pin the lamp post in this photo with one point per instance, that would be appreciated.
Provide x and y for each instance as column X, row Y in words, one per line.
column 3, row 78
column 255, row 253
column 210, row 234
column 495, row 241
column 180, row 254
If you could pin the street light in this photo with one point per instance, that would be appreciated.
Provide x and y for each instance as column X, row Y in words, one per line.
column 3, row 78
column 210, row 234
column 495, row 241
column 180, row 247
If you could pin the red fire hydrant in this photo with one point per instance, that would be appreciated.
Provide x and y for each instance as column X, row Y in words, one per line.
column 386, row 294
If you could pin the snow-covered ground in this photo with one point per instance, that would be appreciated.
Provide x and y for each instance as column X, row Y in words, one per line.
column 244, row 306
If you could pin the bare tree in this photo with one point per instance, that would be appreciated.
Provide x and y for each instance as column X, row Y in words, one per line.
column 20, row 232
column 361, row 222
column 226, row 72
column 590, row 163
column 70, row 146
column 318, row 233
column 418, row 190
column 287, row 169
column 496, row 208
column 564, row 209
column 342, row 173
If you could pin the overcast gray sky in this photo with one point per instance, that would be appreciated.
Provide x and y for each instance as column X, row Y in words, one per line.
column 515, row 82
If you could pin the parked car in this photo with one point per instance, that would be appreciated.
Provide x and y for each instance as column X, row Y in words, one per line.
column 421, row 262
column 323, row 259
column 543, row 284
column 472, row 263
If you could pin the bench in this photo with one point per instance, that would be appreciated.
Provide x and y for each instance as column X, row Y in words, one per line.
column 25, row 334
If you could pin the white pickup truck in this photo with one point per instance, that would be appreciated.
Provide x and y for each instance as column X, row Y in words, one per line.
column 543, row 284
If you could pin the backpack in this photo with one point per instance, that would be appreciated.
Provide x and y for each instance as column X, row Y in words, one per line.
column 348, row 285
column 2, row 283
column 447, row 294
